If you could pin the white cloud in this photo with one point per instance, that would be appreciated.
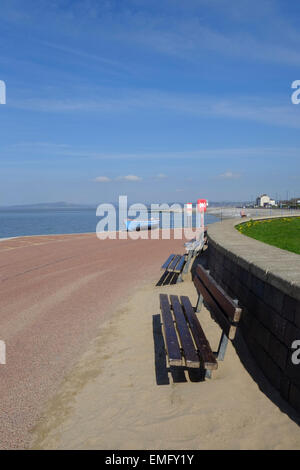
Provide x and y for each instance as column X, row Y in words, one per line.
column 161, row 176
column 229, row 175
column 85, row 55
column 106, row 179
column 276, row 110
column 129, row 178
column 102, row 179
column 36, row 149
column 204, row 153
column 175, row 28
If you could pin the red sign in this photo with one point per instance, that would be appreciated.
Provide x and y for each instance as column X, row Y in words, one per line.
column 201, row 205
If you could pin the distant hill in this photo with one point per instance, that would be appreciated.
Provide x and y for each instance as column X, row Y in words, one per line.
column 49, row 205
column 61, row 205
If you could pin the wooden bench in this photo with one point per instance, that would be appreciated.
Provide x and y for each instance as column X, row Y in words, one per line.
column 179, row 264
column 185, row 341
column 174, row 263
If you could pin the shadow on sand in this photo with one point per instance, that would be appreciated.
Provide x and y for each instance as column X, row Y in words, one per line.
column 168, row 279
column 162, row 371
column 262, row 382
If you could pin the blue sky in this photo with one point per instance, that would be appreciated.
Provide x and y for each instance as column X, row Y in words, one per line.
column 160, row 100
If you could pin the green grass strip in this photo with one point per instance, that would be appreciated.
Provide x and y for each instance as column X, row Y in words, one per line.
column 282, row 232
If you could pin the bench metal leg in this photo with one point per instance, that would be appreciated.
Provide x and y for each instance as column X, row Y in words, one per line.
column 223, row 343
column 208, row 373
column 222, row 347
column 199, row 303
column 188, row 261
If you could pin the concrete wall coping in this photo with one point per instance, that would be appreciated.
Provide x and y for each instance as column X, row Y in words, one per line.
column 273, row 265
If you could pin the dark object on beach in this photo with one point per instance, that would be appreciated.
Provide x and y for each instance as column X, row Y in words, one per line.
column 185, row 340
column 137, row 225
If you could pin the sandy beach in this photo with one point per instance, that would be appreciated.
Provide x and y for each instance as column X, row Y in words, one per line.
column 85, row 368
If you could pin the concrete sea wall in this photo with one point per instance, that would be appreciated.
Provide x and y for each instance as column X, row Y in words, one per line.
column 266, row 280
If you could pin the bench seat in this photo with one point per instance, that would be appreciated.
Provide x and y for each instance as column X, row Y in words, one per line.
column 174, row 263
column 186, row 343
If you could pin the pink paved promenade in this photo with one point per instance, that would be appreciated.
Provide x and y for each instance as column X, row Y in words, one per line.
column 55, row 291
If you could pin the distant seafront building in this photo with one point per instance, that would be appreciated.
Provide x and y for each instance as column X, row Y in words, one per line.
column 265, row 200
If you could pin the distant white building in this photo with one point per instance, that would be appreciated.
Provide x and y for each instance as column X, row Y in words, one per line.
column 265, row 200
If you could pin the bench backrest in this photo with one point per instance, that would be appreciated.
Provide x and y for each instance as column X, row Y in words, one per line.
column 225, row 310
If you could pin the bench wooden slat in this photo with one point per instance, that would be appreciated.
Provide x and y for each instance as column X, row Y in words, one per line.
column 173, row 263
column 202, row 344
column 226, row 303
column 172, row 345
column 166, row 263
column 223, row 321
column 190, row 354
column 180, row 264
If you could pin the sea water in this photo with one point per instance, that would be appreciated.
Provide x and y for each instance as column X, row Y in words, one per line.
column 19, row 222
